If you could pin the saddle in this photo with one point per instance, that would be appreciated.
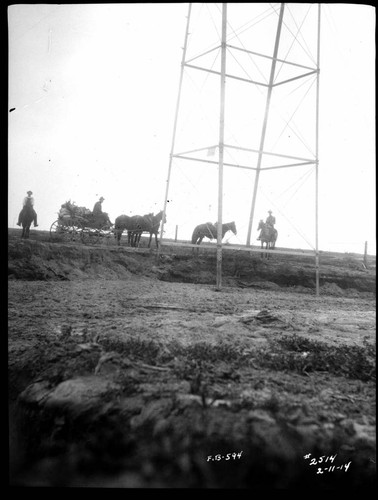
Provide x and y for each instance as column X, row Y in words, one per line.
column 212, row 228
column 270, row 230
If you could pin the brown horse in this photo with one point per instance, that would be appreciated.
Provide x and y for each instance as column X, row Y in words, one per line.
column 136, row 225
column 148, row 223
column 268, row 235
column 210, row 231
column 27, row 217
column 122, row 223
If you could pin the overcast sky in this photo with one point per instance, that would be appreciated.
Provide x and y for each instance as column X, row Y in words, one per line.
column 92, row 100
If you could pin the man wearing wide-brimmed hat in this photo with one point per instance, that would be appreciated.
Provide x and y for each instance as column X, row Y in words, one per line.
column 270, row 220
column 101, row 218
column 28, row 202
column 97, row 209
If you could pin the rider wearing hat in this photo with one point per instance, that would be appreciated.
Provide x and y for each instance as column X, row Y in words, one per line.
column 28, row 202
column 270, row 221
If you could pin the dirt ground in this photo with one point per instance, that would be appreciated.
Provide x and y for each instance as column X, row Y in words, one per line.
column 131, row 371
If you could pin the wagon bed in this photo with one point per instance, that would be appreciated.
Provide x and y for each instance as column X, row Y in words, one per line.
column 83, row 229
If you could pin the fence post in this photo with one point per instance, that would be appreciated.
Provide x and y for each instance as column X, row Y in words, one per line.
column 176, row 233
column 365, row 255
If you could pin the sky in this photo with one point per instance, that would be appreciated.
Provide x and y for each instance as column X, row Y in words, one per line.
column 93, row 90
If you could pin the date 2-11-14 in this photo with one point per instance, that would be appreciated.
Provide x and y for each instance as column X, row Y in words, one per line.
column 217, row 458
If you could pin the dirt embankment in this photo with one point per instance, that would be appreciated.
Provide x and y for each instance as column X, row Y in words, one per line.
column 127, row 371
column 41, row 260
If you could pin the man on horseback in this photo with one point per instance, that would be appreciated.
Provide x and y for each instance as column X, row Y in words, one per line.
column 28, row 203
column 270, row 221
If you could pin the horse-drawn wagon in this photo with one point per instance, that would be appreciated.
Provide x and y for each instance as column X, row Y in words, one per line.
column 79, row 224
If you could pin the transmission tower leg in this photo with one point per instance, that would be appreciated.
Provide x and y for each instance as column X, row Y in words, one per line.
column 221, row 147
column 317, row 163
column 262, row 140
column 175, row 127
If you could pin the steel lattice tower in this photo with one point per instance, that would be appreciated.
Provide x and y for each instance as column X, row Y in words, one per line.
column 279, row 64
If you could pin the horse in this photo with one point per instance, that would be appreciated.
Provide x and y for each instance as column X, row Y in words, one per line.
column 149, row 223
column 121, row 223
column 135, row 225
column 135, row 228
column 268, row 235
column 27, row 218
column 210, row 231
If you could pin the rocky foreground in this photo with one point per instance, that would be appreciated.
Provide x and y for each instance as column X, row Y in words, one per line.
column 133, row 373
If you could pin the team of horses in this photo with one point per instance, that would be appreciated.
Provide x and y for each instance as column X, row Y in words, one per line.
column 135, row 225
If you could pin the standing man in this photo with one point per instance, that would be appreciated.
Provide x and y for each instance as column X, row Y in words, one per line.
column 28, row 202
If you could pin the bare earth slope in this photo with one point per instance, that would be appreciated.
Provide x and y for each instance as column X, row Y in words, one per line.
column 134, row 372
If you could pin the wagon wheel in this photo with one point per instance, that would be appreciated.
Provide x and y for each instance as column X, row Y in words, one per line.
column 103, row 234
column 74, row 230
column 97, row 234
column 89, row 235
column 106, row 233
column 56, row 231
column 66, row 230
